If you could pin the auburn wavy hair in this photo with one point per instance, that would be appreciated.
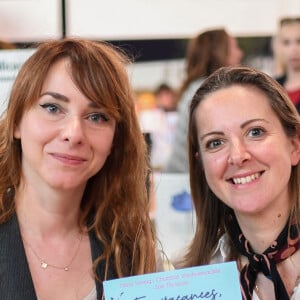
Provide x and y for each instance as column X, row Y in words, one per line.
column 212, row 214
column 115, row 203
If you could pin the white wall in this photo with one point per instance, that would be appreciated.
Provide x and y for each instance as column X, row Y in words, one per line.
column 35, row 20
column 29, row 20
column 32, row 20
column 175, row 18
column 148, row 75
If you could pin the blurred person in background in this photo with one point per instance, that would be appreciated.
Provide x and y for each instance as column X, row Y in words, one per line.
column 165, row 97
column 164, row 118
column 206, row 52
column 287, row 51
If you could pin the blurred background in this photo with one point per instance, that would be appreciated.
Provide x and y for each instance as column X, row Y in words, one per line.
column 154, row 31
column 155, row 34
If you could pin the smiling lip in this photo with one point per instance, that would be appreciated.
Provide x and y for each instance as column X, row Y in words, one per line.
column 245, row 179
column 68, row 159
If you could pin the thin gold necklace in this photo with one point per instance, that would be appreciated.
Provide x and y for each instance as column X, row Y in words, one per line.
column 44, row 265
column 297, row 281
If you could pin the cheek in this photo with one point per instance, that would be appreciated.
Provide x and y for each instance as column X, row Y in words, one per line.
column 214, row 167
column 273, row 152
column 33, row 133
column 109, row 144
column 104, row 144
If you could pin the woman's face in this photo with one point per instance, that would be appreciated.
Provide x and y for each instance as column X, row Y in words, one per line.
column 65, row 137
column 247, row 157
column 289, row 45
column 235, row 54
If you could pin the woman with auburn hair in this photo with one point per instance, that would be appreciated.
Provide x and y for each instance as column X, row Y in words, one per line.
column 244, row 152
column 73, row 172
column 206, row 52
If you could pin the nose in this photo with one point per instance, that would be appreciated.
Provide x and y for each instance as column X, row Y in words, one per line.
column 73, row 130
column 238, row 153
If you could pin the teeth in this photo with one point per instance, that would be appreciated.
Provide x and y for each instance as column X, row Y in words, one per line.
column 247, row 179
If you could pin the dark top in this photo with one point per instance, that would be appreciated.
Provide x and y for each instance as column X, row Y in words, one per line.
column 15, row 278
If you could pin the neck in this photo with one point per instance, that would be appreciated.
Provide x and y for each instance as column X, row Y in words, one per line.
column 52, row 215
column 262, row 231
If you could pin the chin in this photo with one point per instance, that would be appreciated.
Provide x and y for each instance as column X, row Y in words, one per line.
column 249, row 211
column 66, row 185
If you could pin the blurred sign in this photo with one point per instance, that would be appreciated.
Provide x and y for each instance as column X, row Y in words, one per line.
column 10, row 63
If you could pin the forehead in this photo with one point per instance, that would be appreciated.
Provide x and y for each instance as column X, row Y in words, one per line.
column 234, row 93
column 61, row 66
column 290, row 28
column 58, row 78
column 233, row 104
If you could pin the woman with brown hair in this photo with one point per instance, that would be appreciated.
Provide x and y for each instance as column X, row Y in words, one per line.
column 244, row 152
column 206, row 52
column 73, row 168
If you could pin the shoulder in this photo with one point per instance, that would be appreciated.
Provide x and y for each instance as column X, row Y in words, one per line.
column 10, row 232
column 190, row 92
column 281, row 79
column 193, row 87
column 14, row 269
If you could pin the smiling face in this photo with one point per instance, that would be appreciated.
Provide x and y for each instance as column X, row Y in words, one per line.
column 246, row 155
column 65, row 137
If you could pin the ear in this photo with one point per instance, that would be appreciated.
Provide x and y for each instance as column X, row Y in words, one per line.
column 295, row 153
column 17, row 134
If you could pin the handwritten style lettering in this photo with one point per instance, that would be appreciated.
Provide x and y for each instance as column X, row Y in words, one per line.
column 213, row 294
column 120, row 297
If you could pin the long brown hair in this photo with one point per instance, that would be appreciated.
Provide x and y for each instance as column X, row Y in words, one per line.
column 206, row 52
column 115, row 202
column 211, row 212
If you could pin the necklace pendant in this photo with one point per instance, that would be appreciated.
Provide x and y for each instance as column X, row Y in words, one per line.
column 66, row 268
column 44, row 265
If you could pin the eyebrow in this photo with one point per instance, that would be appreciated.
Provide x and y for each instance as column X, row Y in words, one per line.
column 243, row 125
column 56, row 96
column 64, row 98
